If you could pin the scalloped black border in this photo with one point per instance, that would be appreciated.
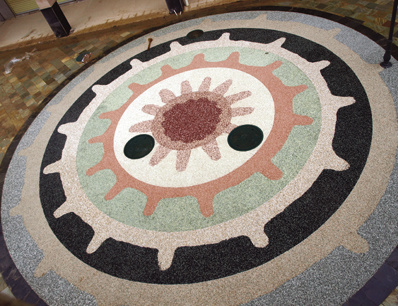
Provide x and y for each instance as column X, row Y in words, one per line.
column 300, row 219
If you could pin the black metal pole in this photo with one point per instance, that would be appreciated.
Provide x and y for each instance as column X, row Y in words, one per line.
column 387, row 56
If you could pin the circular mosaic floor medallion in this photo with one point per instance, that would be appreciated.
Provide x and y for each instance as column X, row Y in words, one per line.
column 244, row 156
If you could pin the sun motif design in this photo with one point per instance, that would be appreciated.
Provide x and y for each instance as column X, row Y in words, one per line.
column 212, row 120
column 191, row 120
column 251, row 224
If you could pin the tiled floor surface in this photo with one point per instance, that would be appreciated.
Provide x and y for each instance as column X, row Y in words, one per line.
column 32, row 80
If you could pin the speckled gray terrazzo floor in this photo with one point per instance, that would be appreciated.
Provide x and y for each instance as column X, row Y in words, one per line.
column 328, row 280
column 56, row 290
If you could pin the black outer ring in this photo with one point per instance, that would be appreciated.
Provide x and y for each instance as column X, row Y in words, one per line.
column 298, row 221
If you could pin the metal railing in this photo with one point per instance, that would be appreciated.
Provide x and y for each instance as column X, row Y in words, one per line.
column 387, row 56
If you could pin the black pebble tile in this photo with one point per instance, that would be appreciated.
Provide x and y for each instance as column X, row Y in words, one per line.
column 392, row 261
column 360, row 299
column 387, row 276
column 375, row 291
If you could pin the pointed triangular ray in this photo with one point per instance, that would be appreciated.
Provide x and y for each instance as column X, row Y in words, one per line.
column 212, row 150
column 142, row 127
column 160, row 153
column 223, row 88
column 182, row 160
